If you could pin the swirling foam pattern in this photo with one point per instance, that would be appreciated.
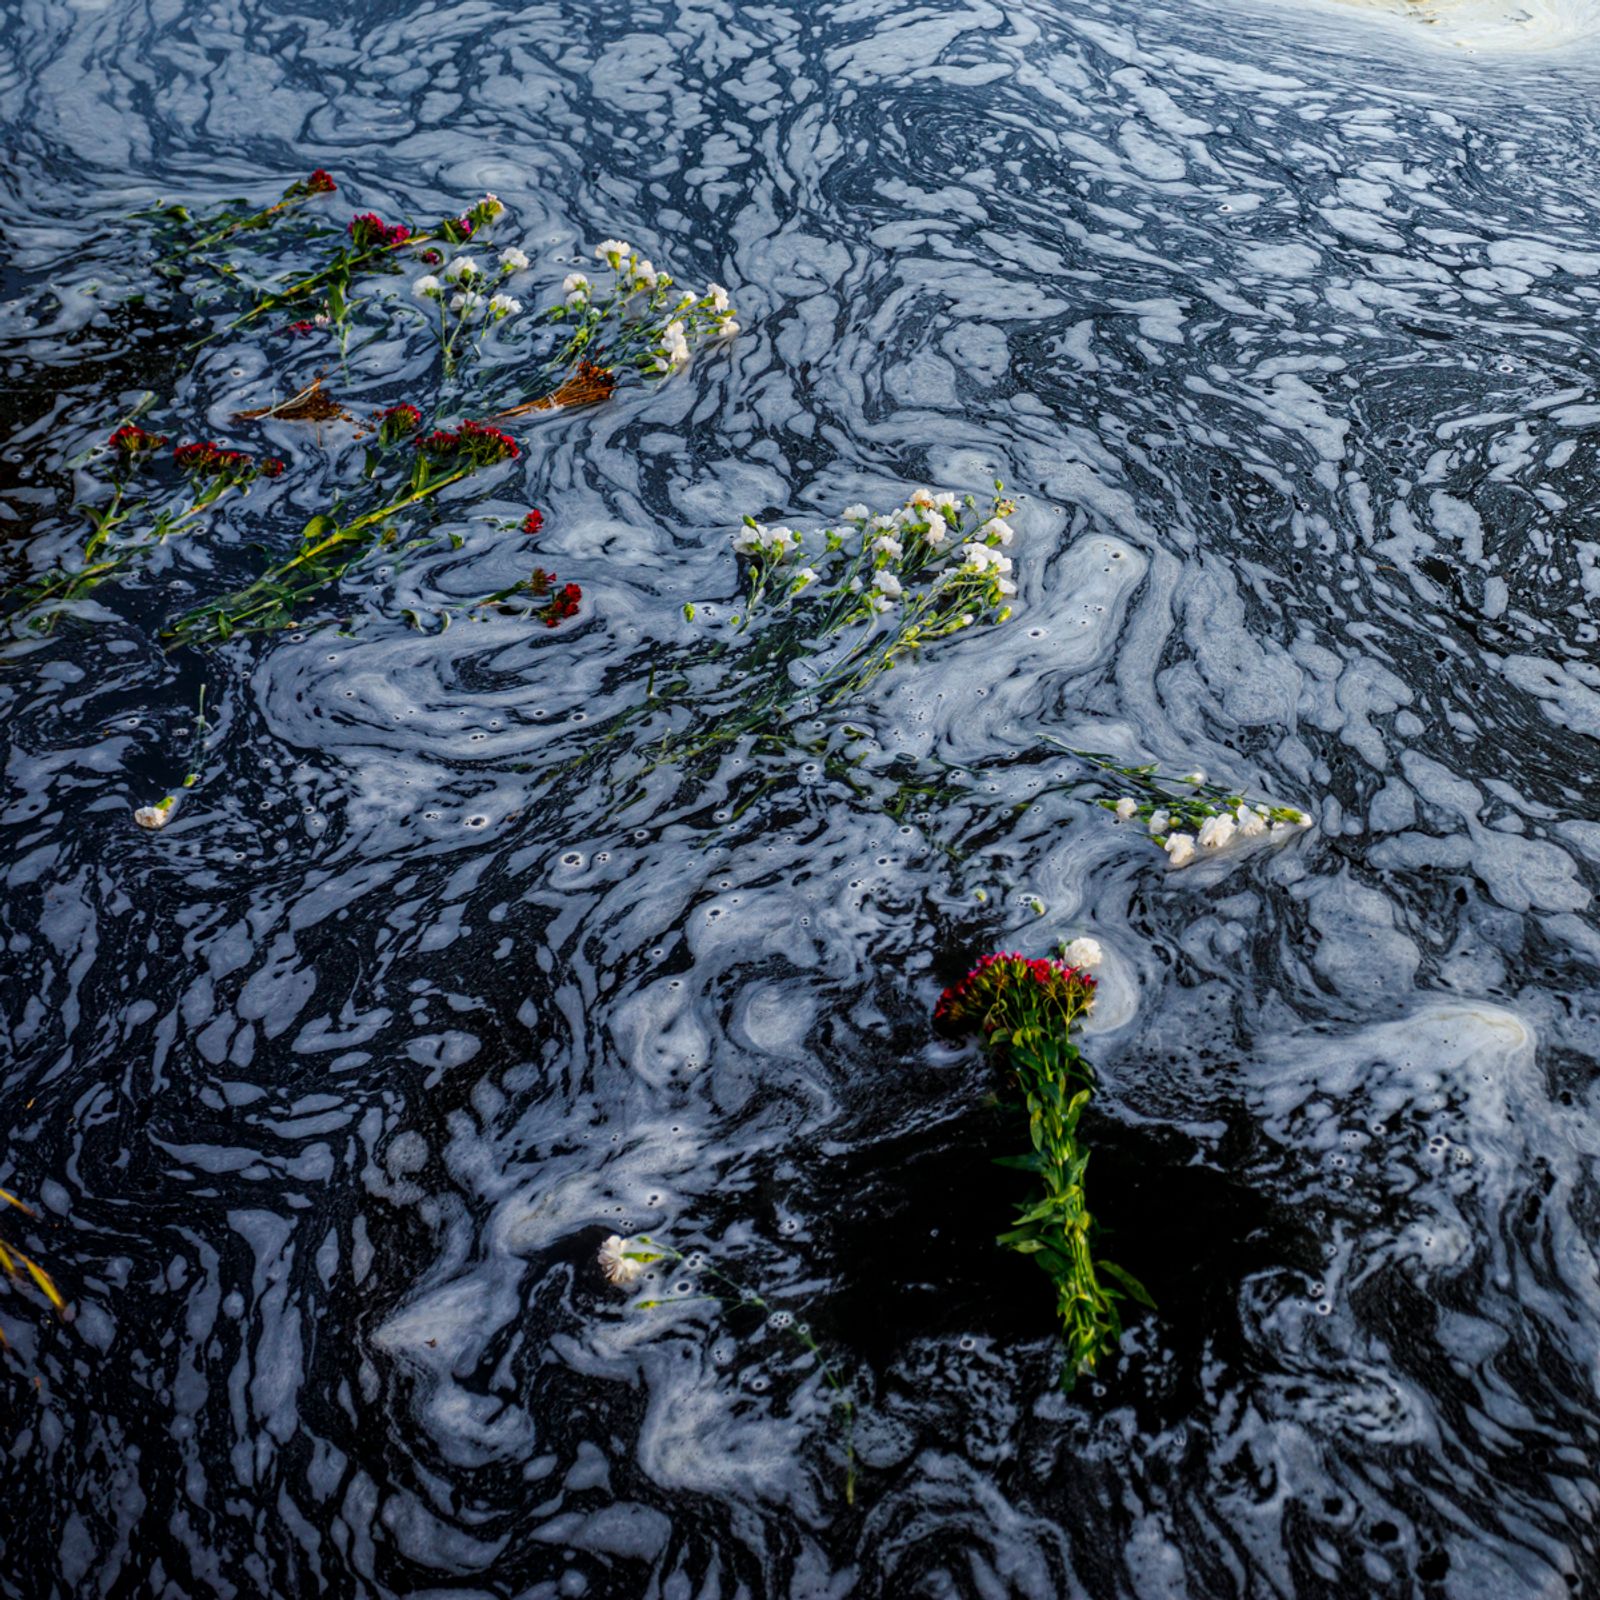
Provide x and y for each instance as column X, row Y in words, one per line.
column 1281, row 320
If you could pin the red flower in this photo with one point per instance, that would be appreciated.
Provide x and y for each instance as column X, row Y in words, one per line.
column 532, row 523
column 439, row 445
column 320, row 183
column 397, row 421
column 134, row 441
column 1005, row 984
column 487, row 445
column 367, row 231
column 206, row 458
column 562, row 605
column 201, row 457
column 432, row 258
column 300, row 329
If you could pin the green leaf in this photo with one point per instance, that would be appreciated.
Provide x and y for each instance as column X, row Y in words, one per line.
column 1135, row 1289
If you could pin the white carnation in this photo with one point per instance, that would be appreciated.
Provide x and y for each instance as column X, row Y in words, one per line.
column 1127, row 809
column 856, row 513
column 1251, row 823
column 1179, row 848
column 718, row 296
column 503, row 305
column 1215, row 832
column 1083, row 953
column 154, row 817
column 616, row 1265
column 463, row 267
column 427, row 287
column 888, row 584
column 512, row 259
column 884, row 545
column 998, row 530
column 612, row 249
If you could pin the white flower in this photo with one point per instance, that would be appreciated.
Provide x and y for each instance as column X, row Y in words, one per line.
column 674, row 351
column 1303, row 820
column 804, row 576
column 1005, row 586
column 1179, row 848
column 1083, row 953
column 998, row 530
column 938, row 534
column 882, row 524
column 718, row 296
column 944, row 499
column 1196, row 777
column 746, row 539
column 1127, row 809
column 727, row 328
column 856, row 513
column 612, row 249
column 644, row 273
column 575, row 285
column 467, row 300
column 892, row 548
column 977, row 557
column 616, row 1265
column 1159, row 822
column 1217, row 831
column 153, row 817
column 512, row 259
column 322, row 319
column 888, row 584
column 1251, row 823
column 920, row 497
column 490, row 206
column 463, row 267
column 427, row 287
column 502, row 305
column 880, row 603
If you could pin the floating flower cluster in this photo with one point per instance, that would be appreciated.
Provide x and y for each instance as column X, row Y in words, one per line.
column 930, row 568
column 540, row 585
column 370, row 232
column 1024, row 1011
column 398, row 422
column 477, row 442
column 208, row 459
column 466, row 297
column 1188, row 817
column 131, row 440
column 641, row 317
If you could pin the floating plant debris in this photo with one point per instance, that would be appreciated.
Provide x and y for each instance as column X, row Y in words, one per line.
column 310, row 405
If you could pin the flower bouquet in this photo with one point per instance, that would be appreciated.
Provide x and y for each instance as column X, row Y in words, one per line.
column 1023, row 1013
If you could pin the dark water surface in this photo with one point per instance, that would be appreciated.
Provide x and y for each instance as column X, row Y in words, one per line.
column 1283, row 322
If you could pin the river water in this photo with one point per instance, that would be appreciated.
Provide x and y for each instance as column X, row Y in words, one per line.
column 1279, row 320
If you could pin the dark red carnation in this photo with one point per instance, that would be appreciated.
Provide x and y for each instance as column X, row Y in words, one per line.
column 487, row 445
column 272, row 467
column 562, row 605
column 532, row 523
column 368, row 231
column 320, row 183
column 132, row 440
column 397, row 421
